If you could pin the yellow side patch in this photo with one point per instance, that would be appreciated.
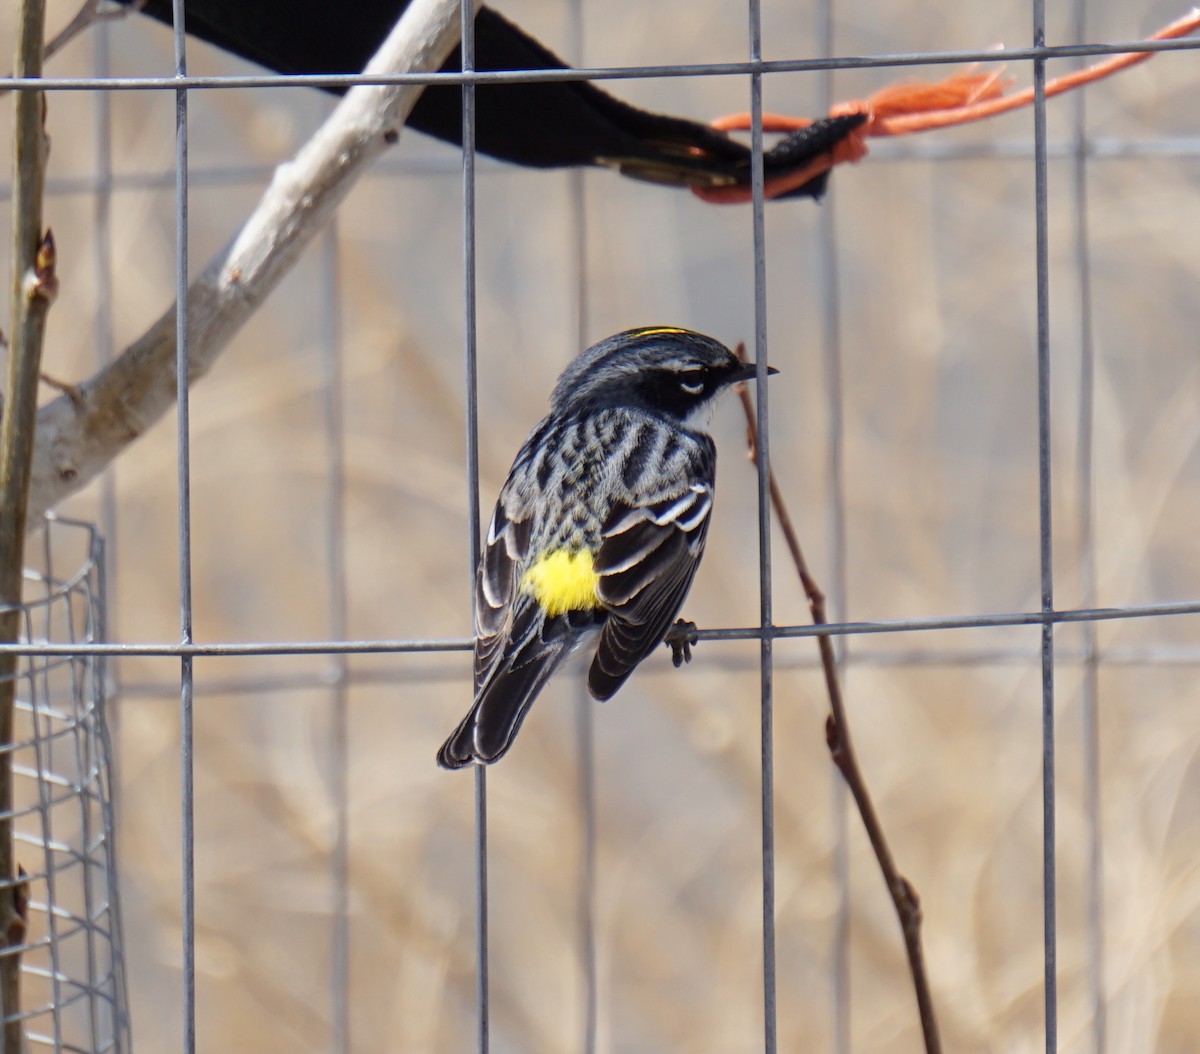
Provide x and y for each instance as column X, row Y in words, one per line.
column 562, row 581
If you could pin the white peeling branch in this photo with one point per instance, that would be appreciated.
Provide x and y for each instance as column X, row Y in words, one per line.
column 80, row 432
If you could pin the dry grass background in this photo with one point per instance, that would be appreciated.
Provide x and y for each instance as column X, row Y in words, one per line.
column 935, row 261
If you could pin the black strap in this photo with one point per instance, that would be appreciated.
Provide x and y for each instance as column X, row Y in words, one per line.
column 542, row 125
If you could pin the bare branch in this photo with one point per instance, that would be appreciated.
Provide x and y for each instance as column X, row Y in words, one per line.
column 79, row 435
column 34, row 284
column 841, row 749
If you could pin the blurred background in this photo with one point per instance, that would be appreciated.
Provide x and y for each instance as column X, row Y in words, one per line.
column 330, row 500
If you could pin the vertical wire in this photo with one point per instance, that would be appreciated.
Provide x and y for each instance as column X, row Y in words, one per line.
column 467, row 48
column 1086, row 535
column 98, row 631
column 831, row 356
column 83, row 716
column 106, row 672
column 28, row 672
column 335, row 573
column 584, row 711
column 766, row 641
column 831, row 343
column 182, row 439
column 585, row 907
column 102, row 324
column 43, row 739
column 1049, row 882
column 585, row 727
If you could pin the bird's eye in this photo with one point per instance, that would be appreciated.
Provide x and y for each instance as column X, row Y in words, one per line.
column 692, row 381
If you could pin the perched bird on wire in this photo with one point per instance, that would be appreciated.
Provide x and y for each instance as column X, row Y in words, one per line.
column 598, row 529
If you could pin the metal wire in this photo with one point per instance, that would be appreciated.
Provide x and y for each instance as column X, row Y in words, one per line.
column 1093, row 147
column 470, row 344
column 709, row 69
column 1089, row 687
column 183, row 461
column 837, row 588
column 766, row 617
column 231, row 649
column 339, row 673
column 1045, row 505
column 1065, row 655
column 584, row 712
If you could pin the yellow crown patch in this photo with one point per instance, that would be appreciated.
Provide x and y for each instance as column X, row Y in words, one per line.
column 656, row 331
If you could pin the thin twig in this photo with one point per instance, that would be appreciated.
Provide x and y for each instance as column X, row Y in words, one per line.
column 841, row 749
column 33, row 288
column 88, row 15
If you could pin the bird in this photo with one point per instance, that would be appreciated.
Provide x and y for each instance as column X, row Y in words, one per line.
column 599, row 527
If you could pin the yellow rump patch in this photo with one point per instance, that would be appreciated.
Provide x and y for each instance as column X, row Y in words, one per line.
column 562, row 581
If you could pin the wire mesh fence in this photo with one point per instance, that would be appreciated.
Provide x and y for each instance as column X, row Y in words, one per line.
column 988, row 389
column 73, row 987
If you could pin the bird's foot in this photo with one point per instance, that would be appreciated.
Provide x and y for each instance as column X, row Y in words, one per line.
column 680, row 638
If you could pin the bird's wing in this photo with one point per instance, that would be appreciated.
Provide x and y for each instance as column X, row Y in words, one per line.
column 517, row 646
column 646, row 562
column 521, row 662
column 504, row 553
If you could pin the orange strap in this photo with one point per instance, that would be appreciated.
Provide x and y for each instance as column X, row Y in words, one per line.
column 918, row 107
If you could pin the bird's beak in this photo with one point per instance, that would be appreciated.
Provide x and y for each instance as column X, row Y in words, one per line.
column 748, row 371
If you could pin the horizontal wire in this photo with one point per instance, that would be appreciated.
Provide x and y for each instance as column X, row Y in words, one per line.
column 1104, row 149
column 233, row 175
column 1161, row 657
column 1110, row 148
column 242, row 648
column 603, row 73
column 217, row 649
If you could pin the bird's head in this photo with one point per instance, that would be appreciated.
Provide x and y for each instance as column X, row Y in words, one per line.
column 663, row 369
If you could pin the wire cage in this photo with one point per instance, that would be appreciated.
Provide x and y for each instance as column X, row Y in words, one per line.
column 72, row 971
column 289, row 557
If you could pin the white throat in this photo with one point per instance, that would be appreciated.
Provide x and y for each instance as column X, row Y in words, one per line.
column 700, row 419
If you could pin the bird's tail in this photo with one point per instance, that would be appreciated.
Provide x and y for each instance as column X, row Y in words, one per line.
column 490, row 726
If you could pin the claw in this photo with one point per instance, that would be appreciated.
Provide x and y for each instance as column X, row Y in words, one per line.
column 680, row 638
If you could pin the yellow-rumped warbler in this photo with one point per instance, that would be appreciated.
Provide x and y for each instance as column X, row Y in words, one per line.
column 598, row 528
